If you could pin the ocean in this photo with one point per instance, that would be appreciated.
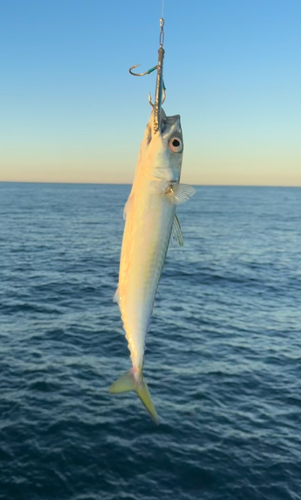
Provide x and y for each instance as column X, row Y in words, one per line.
column 223, row 358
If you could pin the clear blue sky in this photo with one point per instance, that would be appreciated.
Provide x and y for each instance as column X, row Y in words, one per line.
column 71, row 112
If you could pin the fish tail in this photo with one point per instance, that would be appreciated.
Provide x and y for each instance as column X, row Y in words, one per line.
column 128, row 382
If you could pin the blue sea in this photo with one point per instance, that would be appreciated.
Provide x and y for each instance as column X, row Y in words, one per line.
column 223, row 358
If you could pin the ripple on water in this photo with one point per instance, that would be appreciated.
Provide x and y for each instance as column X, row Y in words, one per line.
column 222, row 359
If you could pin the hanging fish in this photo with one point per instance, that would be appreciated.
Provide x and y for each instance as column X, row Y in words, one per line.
column 150, row 220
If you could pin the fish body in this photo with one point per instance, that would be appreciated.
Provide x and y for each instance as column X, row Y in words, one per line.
column 150, row 218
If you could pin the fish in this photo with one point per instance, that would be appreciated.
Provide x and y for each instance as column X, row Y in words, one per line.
column 150, row 223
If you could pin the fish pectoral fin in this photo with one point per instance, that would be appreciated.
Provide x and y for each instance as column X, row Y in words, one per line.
column 127, row 382
column 176, row 232
column 180, row 193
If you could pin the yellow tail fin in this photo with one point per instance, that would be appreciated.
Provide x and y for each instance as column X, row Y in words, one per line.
column 127, row 382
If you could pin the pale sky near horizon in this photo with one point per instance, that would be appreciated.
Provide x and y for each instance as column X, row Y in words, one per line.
column 70, row 111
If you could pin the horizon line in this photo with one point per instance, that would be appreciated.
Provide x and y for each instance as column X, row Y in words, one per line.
column 130, row 183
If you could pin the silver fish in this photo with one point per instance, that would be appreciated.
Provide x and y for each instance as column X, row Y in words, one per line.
column 150, row 215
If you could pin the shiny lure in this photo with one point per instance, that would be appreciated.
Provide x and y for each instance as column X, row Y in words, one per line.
column 150, row 222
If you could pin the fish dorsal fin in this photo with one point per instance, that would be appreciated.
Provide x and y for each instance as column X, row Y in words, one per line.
column 176, row 232
column 180, row 193
column 116, row 297
column 127, row 206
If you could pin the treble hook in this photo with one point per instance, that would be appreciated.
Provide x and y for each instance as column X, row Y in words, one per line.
column 160, row 87
column 163, row 97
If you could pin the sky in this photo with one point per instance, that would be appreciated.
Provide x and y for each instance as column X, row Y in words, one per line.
column 71, row 112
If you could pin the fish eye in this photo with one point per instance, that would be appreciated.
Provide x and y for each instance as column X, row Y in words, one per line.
column 176, row 144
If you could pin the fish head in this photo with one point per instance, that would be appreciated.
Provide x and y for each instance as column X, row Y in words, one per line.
column 161, row 153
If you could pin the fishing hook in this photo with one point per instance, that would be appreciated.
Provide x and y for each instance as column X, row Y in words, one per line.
column 147, row 73
column 160, row 87
column 141, row 74
column 163, row 97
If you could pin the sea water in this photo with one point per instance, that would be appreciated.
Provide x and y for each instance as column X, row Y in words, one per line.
column 223, row 357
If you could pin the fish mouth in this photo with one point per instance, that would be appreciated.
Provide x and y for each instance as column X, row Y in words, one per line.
column 167, row 124
column 168, row 121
